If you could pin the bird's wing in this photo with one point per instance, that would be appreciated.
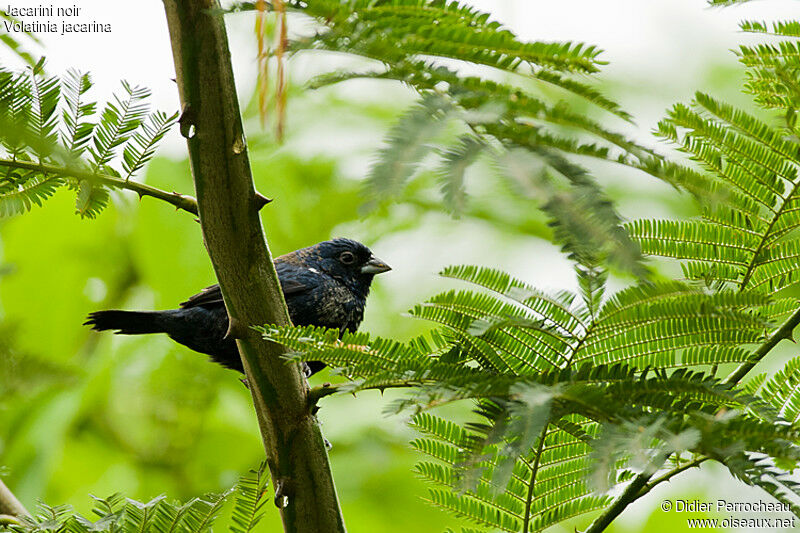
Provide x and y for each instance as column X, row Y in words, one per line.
column 212, row 296
column 209, row 296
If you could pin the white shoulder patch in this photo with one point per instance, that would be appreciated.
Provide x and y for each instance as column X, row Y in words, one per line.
column 314, row 270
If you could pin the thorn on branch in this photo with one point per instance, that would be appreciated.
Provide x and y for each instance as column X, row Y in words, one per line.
column 235, row 330
column 186, row 121
column 261, row 201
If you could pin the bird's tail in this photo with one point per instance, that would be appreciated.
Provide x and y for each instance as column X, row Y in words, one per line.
column 127, row 322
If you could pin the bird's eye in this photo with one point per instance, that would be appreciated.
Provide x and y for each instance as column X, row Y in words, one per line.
column 347, row 258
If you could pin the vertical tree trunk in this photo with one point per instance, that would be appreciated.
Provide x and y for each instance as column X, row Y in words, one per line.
column 228, row 206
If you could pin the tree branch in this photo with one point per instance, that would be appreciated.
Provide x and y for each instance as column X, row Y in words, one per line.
column 642, row 480
column 180, row 201
column 9, row 504
column 640, row 486
column 326, row 389
column 317, row 393
column 672, row 473
column 784, row 332
column 228, row 209
column 628, row 496
column 534, row 470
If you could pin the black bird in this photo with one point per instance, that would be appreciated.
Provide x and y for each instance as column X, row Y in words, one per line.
column 324, row 285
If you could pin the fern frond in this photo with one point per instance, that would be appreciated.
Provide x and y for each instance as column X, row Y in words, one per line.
column 108, row 506
column 478, row 512
column 202, row 512
column 17, row 199
column 761, row 473
column 583, row 90
column 76, row 133
column 583, row 220
column 42, row 117
column 452, row 30
column 91, row 199
column 250, row 500
column 523, row 345
column 408, row 142
column 782, row 390
column 784, row 28
column 455, row 162
column 117, row 514
column 406, row 40
column 784, row 53
column 509, row 478
column 694, row 240
column 742, row 240
column 142, row 146
column 557, row 309
column 46, row 149
column 16, row 98
column 117, row 122
column 354, row 351
column 139, row 516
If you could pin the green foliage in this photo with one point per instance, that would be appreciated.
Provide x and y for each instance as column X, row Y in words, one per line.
column 544, row 440
column 575, row 394
column 94, row 414
column 782, row 390
column 18, row 46
column 117, row 514
column 50, row 141
column 745, row 237
column 250, row 500
column 527, row 132
column 25, row 373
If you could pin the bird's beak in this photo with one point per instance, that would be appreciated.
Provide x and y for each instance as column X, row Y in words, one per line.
column 375, row 266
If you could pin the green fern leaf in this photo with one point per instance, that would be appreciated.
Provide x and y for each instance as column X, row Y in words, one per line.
column 250, row 500
column 42, row 117
column 139, row 516
column 118, row 121
column 142, row 146
column 34, row 190
column 407, row 144
column 202, row 512
column 76, row 132
column 454, row 165
column 91, row 199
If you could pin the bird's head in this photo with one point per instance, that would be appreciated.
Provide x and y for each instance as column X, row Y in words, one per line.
column 346, row 260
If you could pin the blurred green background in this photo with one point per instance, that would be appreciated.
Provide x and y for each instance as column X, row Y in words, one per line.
column 83, row 413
